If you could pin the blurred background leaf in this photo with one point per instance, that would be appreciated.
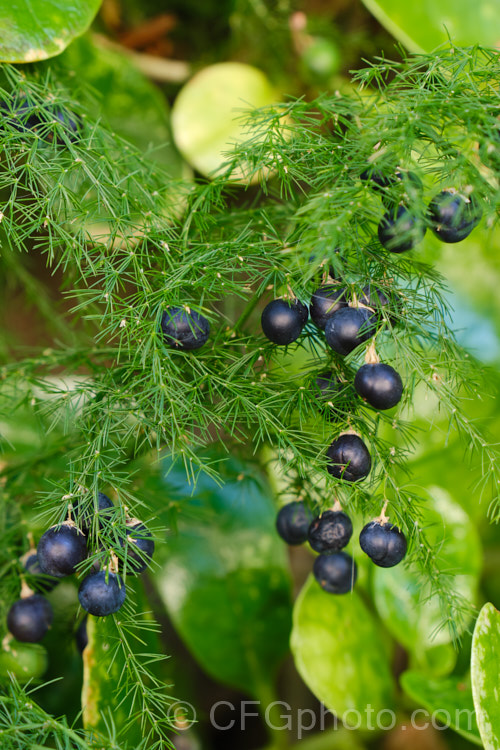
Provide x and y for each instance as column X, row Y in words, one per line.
column 38, row 29
column 422, row 27
column 485, row 668
column 340, row 653
column 224, row 578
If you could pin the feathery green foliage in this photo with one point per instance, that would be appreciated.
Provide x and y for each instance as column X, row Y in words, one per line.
column 127, row 242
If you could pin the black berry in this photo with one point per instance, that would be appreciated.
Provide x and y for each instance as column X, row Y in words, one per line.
column 407, row 188
column 26, row 117
column 378, row 179
column 29, row 619
column 81, row 636
column 380, row 302
column 379, row 385
column 101, row 594
column 292, row 522
column 384, row 543
column 327, row 388
column 348, row 328
column 61, row 549
column 85, row 511
column 36, row 579
column 326, row 301
column 400, row 231
column 184, row 330
column 140, row 548
column 330, row 531
column 282, row 321
column 335, row 573
column 348, row 458
column 453, row 217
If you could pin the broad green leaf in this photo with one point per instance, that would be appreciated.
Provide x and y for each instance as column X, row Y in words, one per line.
column 225, row 580
column 340, row 654
column 404, row 601
column 37, row 29
column 485, row 668
column 423, row 26
column 207, row 114
column 104, row 663
column 447, row 700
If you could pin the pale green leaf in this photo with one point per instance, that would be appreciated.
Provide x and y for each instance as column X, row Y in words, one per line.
column 340, row 654
column 485, row 668
column 423, row 26
column 37, row 29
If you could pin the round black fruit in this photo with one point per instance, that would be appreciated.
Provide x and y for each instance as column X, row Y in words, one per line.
column 25, row 116
column 384, row 543
column 140, row 548
column 407, row 188
column 379, row 385
column 36, row 579
column 380, row 302
column 81, row 636
column 453, row 217
column 325, row 302
column 378, row 179
column 184, row 330
column 330, row 531
column 327, row 389
column 400, row 231
column 348, row 458
column 61, row 549
column 335, row 573
column 29, row 619
column 292, row 522
column 282, row 321
column 348, row 328
column 85, row 511
column 101, row 594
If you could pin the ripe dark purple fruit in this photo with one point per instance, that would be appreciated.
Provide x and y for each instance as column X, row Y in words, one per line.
column 380, row 302
column 335, row 573
column 327, row 388
column 184, row 330
column 384, row 543
column 61, row 549
column 348, row 328
column 292, row 522
column 86, row 512
column 325, row 302
column 406, row 188
column 37, row 580
column 140, row 547
column 453, row 217
column 29, row 618
column 26, row 116
column 400, row 231
column 379, row 385
column 348, row 458
column 101, row 594
column 330, row 531
column 282, row 321
column 378, row 179
column 82, row 636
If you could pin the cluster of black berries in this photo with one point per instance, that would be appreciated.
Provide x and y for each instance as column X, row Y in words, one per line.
column 329, row 533
column 60, row 550
column 450, row 215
